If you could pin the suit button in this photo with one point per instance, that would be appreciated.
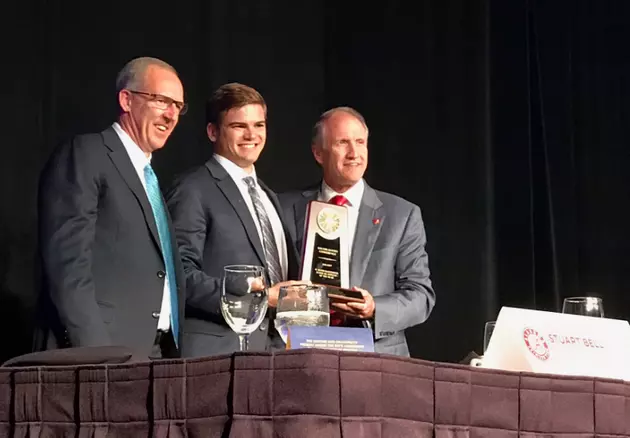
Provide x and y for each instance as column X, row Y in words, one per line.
column 161, row 274
column 155, row 315
column 263, row 326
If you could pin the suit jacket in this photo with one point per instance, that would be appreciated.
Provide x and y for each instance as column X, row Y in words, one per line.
column 388, row 259
column 214, row 228
column 99, row 247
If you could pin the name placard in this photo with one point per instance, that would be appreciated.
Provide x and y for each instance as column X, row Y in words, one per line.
column 558, row 343
column 330, row 338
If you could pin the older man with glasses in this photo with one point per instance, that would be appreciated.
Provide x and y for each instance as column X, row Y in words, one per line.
column 112, row 274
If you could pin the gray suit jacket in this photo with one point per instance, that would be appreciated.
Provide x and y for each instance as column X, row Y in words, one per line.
column 388, row 259
column 214, row 228
column 100, row 249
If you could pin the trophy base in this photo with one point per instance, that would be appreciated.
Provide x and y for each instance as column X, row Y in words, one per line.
column 341, row 295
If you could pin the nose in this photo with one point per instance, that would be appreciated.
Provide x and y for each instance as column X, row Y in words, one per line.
column 171, row 112
column 352, row 149
column 248, row 134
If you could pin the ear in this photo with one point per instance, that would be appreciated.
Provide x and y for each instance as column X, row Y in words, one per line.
column 318, row 153
column 124, row 100
column 212, row 131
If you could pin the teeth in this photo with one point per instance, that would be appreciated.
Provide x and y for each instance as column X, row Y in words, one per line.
column 162, row 128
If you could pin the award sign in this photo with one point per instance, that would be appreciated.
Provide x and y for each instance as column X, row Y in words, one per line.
column 325, row 249
column 330, row 338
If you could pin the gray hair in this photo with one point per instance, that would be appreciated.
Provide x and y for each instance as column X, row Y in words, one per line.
column 318, row 129
column 131, row 76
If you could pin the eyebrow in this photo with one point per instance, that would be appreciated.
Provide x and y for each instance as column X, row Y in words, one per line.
column 246, row 123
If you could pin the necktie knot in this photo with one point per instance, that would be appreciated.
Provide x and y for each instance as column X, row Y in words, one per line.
column 339, row 200
column 251, row 184
column 149, row 174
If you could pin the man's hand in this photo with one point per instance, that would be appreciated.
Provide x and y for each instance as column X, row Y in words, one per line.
column 274, row 291
column 362, row 310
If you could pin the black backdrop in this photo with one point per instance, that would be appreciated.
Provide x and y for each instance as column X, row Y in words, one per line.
column 506, row 121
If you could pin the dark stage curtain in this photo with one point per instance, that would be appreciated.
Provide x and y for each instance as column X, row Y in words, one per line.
column 505, row 122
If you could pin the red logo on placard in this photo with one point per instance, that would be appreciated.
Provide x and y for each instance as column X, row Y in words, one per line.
column 536, row 344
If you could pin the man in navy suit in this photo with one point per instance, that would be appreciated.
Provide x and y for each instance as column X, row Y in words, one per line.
column 388, row 260
column 224, row 215
column 111, row 269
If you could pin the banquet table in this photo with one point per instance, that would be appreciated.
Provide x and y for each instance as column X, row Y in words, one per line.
column 306, row 393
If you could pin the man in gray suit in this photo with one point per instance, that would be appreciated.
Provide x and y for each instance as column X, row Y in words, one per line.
column 388, row 261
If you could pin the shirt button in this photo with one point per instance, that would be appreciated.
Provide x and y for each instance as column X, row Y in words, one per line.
column 161, row 274
column 263, row 326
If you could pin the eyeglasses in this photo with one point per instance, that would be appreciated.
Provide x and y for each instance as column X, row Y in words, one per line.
column 162, row 102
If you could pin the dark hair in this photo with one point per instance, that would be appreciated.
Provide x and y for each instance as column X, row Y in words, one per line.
column 228, row 96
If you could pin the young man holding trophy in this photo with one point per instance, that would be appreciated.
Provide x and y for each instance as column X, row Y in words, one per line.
column 223, row 215
column 368, row 246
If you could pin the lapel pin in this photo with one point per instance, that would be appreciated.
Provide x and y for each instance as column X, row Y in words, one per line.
column 376, row 221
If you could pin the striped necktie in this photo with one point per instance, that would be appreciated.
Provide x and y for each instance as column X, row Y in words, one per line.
column 272, row 256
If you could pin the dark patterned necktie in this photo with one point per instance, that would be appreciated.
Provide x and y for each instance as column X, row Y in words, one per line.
column 272, row 256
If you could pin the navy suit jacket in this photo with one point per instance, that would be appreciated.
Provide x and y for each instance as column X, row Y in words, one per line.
column 214, row 228
column 100, row 250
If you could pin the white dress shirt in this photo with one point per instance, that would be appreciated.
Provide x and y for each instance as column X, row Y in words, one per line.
column 237, row 174
column 139, row 161
column 354, row 195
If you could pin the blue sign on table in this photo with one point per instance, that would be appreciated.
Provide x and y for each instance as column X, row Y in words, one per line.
column 330, row 338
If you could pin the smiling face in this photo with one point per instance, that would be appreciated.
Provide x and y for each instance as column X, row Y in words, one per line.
column 148, row 126
column 240, row 135
column 342, row 151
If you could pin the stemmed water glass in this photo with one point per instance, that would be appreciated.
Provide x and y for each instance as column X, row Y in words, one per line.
column 243, row 299
column 586, row 306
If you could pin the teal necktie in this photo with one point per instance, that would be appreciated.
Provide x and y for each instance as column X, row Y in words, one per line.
column 159, row 213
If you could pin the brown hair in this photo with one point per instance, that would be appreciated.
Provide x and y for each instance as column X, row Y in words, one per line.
column 228, row 96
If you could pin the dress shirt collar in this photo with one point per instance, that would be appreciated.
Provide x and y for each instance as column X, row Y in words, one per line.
column 138, row 158
column 354, row 194
column 237, row 173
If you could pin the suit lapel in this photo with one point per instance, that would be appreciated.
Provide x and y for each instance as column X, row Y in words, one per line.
column 227, row 185
column 299, row 210
column 122, row 162
column 366, row 233
column 292, row 256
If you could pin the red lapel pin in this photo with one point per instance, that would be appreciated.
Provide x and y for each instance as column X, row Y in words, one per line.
column 376, row 221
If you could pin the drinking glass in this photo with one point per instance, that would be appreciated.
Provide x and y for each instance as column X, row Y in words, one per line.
column 302, row 304
column 487, row 334
column 243, row 299
column 586, row 306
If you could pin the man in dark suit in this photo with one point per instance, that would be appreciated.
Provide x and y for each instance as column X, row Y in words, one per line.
column 110, row 263
column 388, row 261
column 224, row 215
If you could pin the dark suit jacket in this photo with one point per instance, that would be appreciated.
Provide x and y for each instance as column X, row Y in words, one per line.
column 99, row 248
column 214, row 228
column 388, row 259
